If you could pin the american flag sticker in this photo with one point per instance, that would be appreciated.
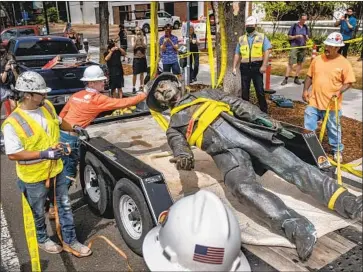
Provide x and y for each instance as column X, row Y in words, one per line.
column 209, row 255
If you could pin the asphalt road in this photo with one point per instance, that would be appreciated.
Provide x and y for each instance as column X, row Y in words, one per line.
column 104, row 258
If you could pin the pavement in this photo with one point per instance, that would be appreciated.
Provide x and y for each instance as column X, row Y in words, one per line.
column 351, row 106
column 14, row 253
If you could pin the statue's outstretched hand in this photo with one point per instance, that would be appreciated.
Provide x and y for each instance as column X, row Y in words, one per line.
column 183, row 162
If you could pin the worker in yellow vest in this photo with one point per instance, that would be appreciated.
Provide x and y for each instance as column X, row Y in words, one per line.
column 252, row 53
column 31, row 135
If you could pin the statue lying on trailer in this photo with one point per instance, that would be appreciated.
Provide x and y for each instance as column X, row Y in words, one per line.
column 234, row 132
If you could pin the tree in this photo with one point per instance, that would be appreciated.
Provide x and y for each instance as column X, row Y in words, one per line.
column 234, row 13
column 275, row 11
column 104, row 29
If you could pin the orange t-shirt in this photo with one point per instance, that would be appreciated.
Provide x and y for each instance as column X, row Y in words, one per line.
column 328, row 76
column 84, row 106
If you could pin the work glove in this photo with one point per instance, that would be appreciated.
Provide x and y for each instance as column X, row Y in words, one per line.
column 51, row 153
column 183, row 162
column 276, row 125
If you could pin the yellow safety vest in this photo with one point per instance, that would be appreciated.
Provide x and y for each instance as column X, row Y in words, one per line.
column 207, row 112
column 251, row 54
column 34, row 138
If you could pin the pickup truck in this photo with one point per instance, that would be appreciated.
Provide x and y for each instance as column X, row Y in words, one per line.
column 164, row 18
column 20, row 31
column 33, row 52
column 125, row 171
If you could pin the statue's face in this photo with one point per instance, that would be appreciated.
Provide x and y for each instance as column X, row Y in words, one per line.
column 167, row 92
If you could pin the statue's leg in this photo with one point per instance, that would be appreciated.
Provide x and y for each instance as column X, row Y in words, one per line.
column 310, row 180
column 240, row 179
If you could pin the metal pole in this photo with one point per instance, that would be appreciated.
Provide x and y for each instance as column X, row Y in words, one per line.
column 14, row 15
column 56, row 6
column 46, row 17
column 188, row 44
column 67, row 11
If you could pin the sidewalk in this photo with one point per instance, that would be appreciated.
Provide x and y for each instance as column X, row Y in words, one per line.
column 352, row 102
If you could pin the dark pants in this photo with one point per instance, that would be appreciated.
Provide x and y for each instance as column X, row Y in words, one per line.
column 251, row 71
column 240, row 178
column 344, row 50
column 194, row 65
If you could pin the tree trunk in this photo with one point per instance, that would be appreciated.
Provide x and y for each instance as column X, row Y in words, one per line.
column 104, row 29
column 235, row 25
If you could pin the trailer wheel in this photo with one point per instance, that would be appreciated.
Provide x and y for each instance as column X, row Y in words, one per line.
column 97, row 185
column 132, row 214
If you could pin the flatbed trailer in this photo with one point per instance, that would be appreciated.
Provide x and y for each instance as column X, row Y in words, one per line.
column 118, row 181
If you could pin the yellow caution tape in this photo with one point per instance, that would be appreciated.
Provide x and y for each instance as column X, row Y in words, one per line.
column 210, row 54
column 224, row 48
column 354, row 40
column 349, row 167
column 290, row 48
column 30, row 234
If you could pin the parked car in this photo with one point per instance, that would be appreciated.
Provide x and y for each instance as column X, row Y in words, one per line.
column 164, row 18
column 34, row 52
column 19, row 31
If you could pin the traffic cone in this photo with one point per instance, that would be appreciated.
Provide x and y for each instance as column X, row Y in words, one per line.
column 314, row 54
column 268, row 77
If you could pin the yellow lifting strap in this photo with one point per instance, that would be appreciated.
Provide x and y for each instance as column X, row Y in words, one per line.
column 30, row 234
column 154, row 43
column 207, row 113
column 222, row 29
column 210, row 54
column 349, row 167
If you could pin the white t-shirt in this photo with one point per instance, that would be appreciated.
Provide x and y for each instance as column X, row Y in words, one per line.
column 12, row 142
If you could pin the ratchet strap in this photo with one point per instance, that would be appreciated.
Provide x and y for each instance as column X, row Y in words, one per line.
column 349, row 167
column 208, row 111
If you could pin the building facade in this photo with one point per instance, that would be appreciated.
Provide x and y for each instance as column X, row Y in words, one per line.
column 86, row 12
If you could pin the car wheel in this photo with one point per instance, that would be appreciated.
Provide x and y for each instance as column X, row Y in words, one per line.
column 97, row 185
column 146, row 29
column 176, row 25
column 132, row 214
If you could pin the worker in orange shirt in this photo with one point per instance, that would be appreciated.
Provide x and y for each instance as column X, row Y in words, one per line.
column 83, row 107
column 330, row 74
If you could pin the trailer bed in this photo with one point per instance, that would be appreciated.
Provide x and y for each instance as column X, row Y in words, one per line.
column 141, row 137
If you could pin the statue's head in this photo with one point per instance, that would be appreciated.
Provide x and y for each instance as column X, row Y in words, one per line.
column 163, row 92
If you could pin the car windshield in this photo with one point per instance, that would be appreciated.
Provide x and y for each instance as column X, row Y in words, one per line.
column 7, row 35
column 45, row 47
column 27, row 32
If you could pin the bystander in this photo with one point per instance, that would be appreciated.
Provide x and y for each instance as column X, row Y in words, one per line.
column 298, row 35
column 347, row 24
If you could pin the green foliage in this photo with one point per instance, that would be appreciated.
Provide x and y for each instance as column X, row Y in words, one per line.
column 40, row 20
column 52, row 15
column 275, row 11
column 279, row 40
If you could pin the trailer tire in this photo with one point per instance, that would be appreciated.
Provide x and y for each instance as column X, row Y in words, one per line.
column 146, row 29
column 102, row 205
column 129, row 201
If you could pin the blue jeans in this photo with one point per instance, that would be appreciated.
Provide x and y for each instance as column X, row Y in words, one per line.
column 313, row 115
column 70, row 162
column 36, row 194
column 174, row 67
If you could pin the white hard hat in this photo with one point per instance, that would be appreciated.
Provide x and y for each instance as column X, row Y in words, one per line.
column 31, row 82
column 251, row 21
column 93, row 73
column 199, row 233
column 334, row 39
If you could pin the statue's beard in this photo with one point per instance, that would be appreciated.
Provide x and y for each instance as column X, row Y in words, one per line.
column 168, row 98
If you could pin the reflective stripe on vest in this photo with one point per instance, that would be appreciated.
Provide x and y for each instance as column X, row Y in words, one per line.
column 253, row 53
column 207, row 112
column 32, row 171
column 23, row 123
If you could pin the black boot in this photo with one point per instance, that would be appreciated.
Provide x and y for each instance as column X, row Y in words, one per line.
column 349, row 205
column 302, row 233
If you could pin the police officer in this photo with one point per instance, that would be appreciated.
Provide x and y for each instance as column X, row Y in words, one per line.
column 253, row 51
